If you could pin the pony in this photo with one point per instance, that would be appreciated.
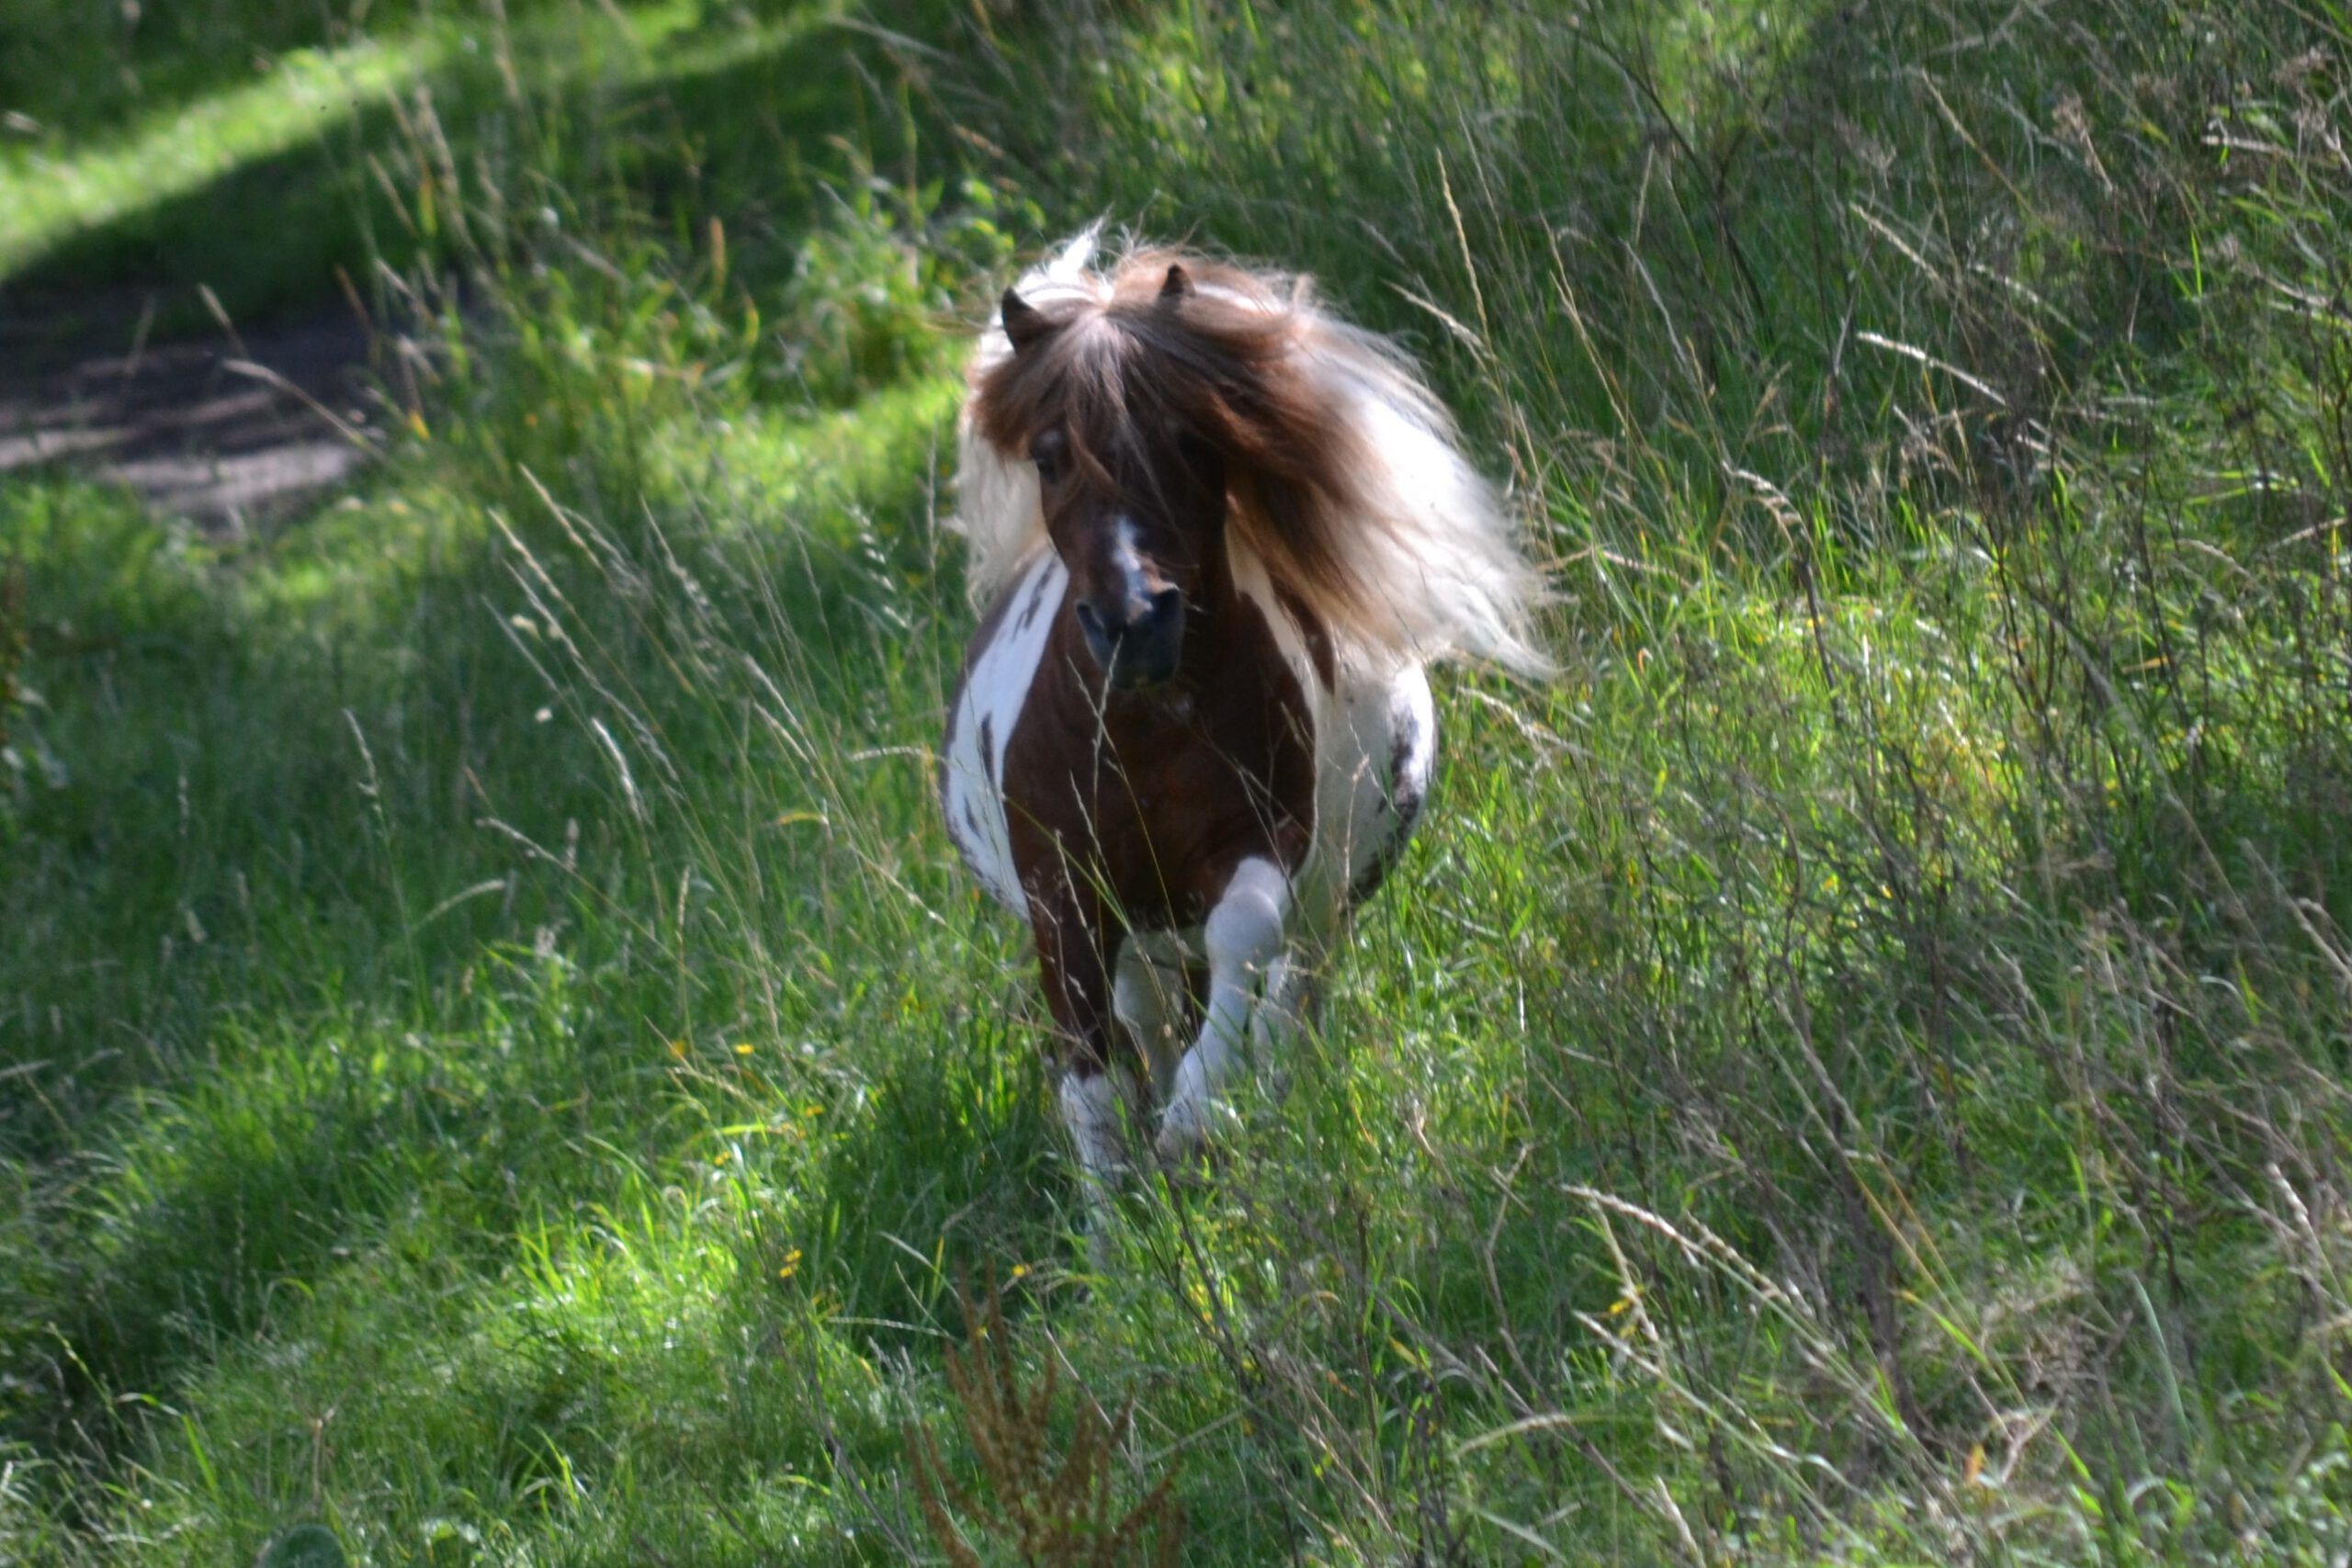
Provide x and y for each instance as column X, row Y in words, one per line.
column 1219, row 535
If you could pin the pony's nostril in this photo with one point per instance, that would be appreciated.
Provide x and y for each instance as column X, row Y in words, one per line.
column 1140, row 646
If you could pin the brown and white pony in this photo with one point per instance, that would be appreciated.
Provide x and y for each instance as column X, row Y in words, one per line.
column 1219, row 533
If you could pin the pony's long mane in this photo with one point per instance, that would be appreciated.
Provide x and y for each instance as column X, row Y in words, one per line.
column 1347, row 481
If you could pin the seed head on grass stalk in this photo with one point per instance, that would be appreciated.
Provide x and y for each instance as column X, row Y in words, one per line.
column 1057, row 1510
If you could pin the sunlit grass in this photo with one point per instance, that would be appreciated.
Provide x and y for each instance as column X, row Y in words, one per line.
column 306, row 97
column 342, row 108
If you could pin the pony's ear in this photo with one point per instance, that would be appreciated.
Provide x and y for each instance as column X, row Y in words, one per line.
column 1024, row 323
column 1176, row 285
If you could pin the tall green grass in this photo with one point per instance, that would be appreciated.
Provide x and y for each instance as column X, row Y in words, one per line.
column 502, row 1062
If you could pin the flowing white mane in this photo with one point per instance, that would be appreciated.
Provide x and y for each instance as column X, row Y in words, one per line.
column 1438, row 573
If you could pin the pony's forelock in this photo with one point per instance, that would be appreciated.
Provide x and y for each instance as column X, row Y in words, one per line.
column 1348, row 482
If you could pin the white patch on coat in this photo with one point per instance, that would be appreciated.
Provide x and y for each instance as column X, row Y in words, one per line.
column 1391, row 736
column 995, row 689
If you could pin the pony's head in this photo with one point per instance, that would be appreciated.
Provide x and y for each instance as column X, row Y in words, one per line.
column 1140, row 413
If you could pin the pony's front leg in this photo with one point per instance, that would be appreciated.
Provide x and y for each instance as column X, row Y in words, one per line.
column 1150, row 994
column 1073, row 960
column 1250, row 1000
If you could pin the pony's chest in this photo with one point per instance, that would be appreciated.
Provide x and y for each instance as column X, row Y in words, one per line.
column 1160, row 806
column 1150, row 799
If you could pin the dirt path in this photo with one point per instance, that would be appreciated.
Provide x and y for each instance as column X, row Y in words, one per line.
column 228, row 430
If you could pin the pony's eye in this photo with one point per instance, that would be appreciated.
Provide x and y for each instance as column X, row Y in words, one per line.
column 1049, row 451
column 1200, row 452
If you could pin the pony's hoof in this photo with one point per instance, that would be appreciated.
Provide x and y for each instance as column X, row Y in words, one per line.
column 1179, row 1147
column 1185, row 1132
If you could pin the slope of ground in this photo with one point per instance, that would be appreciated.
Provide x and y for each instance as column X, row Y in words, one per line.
column 497, row 1060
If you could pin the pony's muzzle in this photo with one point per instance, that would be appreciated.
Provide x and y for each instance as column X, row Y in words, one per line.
column 1138, row 642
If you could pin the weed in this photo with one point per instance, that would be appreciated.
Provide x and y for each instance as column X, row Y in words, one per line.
column 1052, row 1498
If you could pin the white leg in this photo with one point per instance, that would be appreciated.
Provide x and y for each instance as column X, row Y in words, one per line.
column 1091, row 1111
column 1249, row 970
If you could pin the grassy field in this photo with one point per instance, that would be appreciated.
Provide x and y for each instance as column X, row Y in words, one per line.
column 498, row 1063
